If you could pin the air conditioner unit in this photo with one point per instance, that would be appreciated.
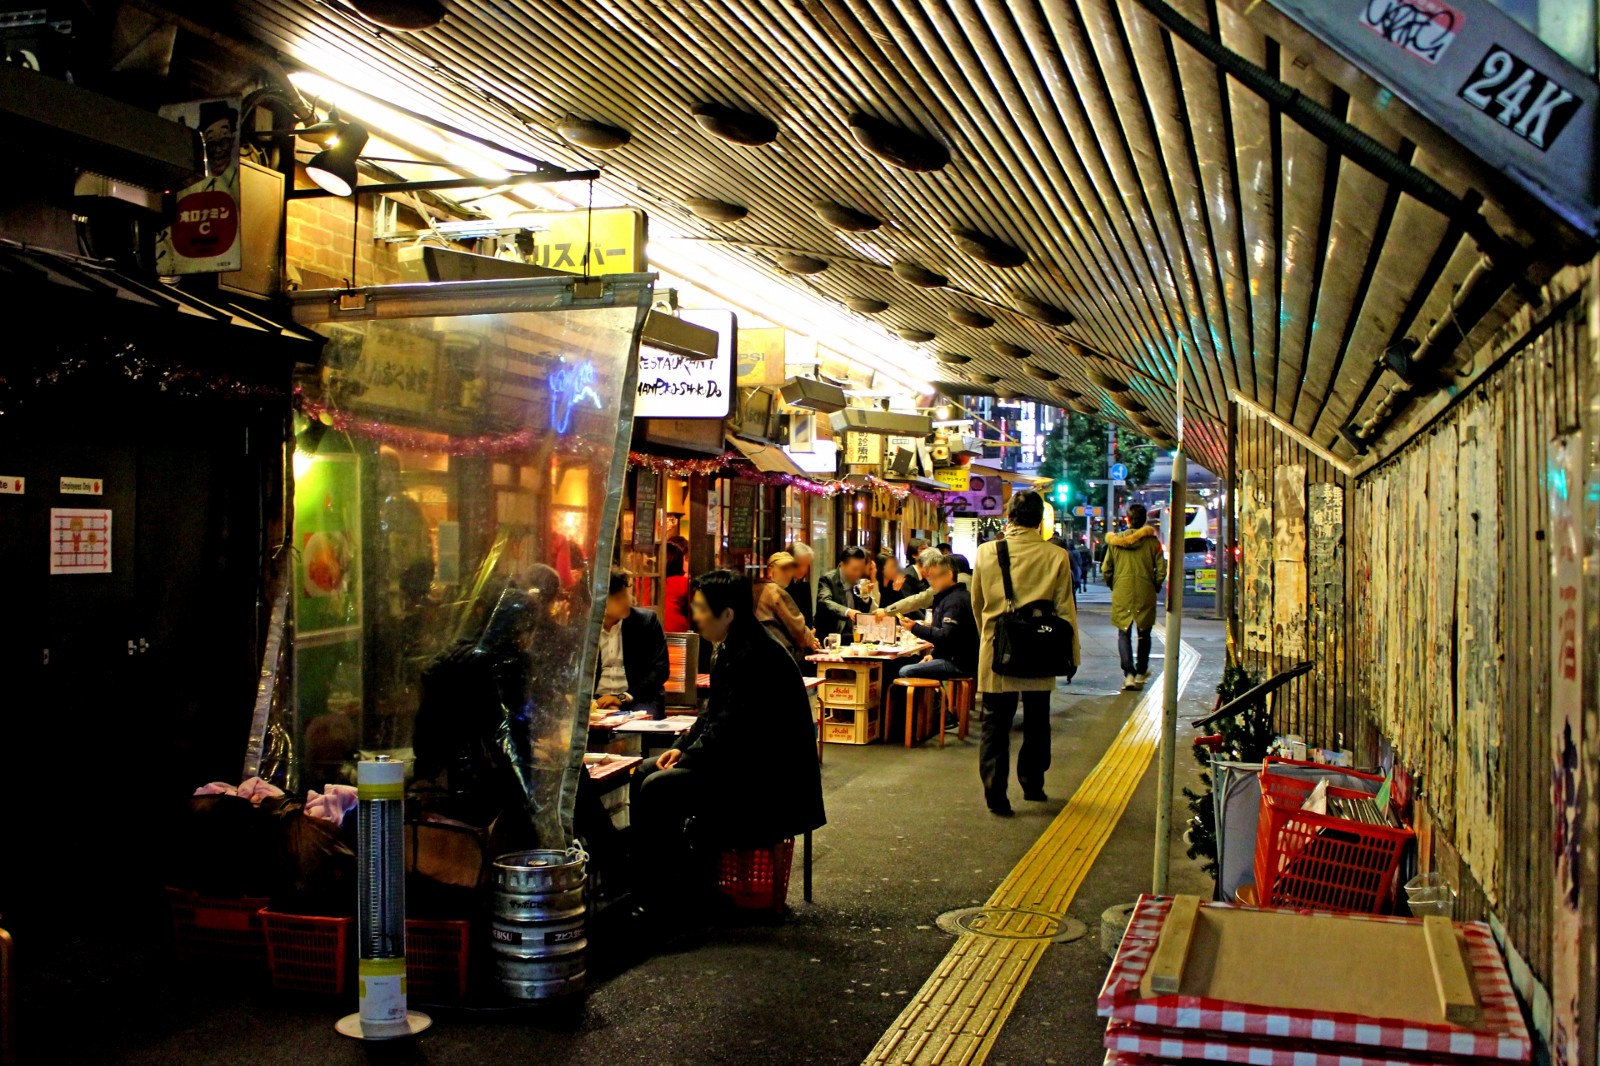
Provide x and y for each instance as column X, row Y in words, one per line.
column 884, row 423
column 813, row 395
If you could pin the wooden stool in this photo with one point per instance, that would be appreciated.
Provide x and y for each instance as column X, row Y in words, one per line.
column 913, row 685
column 958, row 693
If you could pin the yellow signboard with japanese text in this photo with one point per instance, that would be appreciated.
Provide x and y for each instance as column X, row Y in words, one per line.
column 863, row 449
column 954, row 478
column 616, row 235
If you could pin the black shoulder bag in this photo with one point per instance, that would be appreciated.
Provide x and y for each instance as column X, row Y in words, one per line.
column 1030, row 641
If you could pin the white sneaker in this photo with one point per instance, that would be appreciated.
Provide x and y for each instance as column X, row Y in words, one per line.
column 1129, row 681
column 1143, row 679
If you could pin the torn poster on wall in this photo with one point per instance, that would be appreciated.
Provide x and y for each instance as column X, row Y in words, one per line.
column 1563, row 479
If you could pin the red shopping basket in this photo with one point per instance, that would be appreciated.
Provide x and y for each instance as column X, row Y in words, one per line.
column 309, row 954
column 1316, row 860
column 436, row 958
column 756, row 879
column 213, row 931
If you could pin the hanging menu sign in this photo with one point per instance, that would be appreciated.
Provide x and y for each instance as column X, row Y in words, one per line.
column 646, row 500
column 863, row 449
column 672, row 386
column 742, row 516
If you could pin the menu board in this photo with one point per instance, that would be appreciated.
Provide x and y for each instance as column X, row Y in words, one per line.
column 863, row 449
column 742, row 516
column 984, row 496
column 671, row 386
column 645, row 503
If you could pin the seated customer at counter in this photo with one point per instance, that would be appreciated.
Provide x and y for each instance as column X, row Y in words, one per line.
column 631, row 669
column 746, row 774
column 953, row 632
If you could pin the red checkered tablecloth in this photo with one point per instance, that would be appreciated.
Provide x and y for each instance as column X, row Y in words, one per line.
column 1501, row 1036
column 1168, row 1045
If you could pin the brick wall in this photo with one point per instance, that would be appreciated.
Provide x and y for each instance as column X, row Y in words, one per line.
column 317, row 242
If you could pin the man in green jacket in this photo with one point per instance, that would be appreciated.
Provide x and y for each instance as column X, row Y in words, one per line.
column 1134, row 567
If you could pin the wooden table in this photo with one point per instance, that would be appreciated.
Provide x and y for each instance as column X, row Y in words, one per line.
column 885, row 656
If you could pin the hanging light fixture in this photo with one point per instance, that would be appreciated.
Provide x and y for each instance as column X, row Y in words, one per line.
column 731, row 124
column 988, row 249
column 1009, row 350
column 334, row 168
column 590, row 133
column 848, row 219
column 965, row 316
column 713, row 210
column 915, row 336
column 920, row 276
column 1043, row 313
column 866, row 305
column 897, row 145
column 796, row 263
column 409, row 15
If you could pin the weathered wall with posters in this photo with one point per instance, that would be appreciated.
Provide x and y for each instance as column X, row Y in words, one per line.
column 1453, row 642
column 1293, row 575
column 1441, row 655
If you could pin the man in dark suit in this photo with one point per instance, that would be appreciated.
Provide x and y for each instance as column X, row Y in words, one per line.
column 837, row 602
column 631, row 669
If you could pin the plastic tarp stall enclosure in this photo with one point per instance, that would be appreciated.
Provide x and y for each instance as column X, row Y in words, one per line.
column 459, row 458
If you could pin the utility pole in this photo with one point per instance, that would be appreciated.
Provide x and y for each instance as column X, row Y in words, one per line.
column 1111, row 489
column 1170, row 665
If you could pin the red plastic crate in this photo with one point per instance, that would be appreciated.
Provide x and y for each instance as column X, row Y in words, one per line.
column 1317, row 860
column 436, row 958
column 756, row 879
column 211, row 931
column 309, row 954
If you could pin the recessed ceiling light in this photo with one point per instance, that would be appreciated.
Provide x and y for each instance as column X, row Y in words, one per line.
column 915, row 336
column 920, row 276
column 1009, row 350
column 866, row 305
column 590, row 133
column 713, row 210
column 991, row 250
column 839, row 216
column 965, row 316
column 1044, row 313
column 801, row 264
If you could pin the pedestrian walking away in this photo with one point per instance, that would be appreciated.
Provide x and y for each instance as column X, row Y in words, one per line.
column 1039, row 571
column 1134, row 568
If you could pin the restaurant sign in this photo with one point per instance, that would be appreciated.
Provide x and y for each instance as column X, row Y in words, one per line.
column 953, row 478
column 614, row 235
column 863, row 449
column 673, row 386
column 202, row 234
column 984, row 497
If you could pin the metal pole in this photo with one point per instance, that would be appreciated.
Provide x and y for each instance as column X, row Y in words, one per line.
column 1169, row 670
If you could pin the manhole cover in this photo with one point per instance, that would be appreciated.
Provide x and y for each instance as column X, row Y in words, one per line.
column 1007, row 924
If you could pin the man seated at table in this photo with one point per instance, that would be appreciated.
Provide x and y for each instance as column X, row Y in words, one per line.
column 922, row 600
column 632, row 668
column 953, row 632
column 747, row 774
column 837, row 599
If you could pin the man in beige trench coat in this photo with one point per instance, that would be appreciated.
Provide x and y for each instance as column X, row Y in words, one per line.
column 1039, row 571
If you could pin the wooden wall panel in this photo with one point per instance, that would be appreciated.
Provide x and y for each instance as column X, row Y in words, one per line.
column 1449, row 636
column 1289, row 601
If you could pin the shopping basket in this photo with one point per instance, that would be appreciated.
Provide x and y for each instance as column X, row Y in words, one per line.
column 756, row 879
column 1316, row 860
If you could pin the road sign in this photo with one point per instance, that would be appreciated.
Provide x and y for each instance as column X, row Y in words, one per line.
column 1089, row 512
column 1119, row 472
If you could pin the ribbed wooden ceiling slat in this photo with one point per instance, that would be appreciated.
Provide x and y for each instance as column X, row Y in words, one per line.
column 1182, row 221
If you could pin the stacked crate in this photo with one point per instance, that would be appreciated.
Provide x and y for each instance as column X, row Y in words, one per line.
column 851, row 695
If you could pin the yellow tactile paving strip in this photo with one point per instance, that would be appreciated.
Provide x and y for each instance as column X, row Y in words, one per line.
column 957, row 1014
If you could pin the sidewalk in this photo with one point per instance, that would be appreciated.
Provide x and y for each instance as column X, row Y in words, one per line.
column 908, row 838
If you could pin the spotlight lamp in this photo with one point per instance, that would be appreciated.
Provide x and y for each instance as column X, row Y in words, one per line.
column 334, row 168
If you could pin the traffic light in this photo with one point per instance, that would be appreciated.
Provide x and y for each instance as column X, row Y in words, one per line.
column 1062, row 493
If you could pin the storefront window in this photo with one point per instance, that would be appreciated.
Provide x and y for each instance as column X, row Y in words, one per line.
column 458, row 474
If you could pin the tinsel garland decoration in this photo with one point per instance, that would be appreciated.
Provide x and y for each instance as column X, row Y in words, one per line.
column 732, row 463
column 103, row 363
column 489, row 445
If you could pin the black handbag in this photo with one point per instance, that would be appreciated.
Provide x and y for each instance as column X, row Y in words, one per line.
column 1031, row 640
